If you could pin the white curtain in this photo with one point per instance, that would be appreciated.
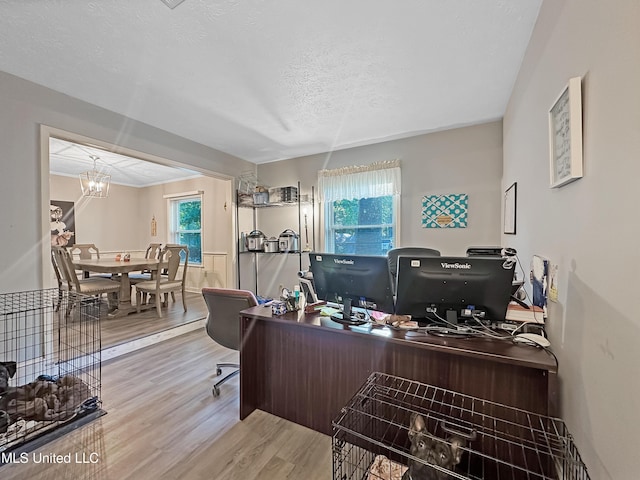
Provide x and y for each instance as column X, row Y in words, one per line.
column 364, row 181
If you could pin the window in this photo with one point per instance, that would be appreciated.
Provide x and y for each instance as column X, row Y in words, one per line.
column 361, row 207
column 185, row 224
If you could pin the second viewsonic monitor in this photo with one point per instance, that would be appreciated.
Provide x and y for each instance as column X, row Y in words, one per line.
column 428, row 288
column 353, row 280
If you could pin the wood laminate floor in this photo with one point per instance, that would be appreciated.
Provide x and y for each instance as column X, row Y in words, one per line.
column 116, row 331
column 162, row 422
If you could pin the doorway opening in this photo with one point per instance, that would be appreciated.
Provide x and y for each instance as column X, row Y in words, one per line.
column 133, row 216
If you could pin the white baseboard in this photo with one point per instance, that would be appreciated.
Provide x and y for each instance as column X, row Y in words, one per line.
column 128, row 347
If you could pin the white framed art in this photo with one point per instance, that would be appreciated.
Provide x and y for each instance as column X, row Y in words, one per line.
column 565, row 135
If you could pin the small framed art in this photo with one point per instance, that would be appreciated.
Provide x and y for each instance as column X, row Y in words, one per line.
column 510, row 203
column 565, row 135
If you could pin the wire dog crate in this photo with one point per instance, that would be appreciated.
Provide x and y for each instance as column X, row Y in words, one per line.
column 50, row 363
column 371, row 436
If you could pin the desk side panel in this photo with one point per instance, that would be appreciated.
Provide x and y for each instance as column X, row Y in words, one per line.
column 251, row 354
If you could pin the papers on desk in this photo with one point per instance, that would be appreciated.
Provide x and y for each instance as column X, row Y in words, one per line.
column 328, row 311
column 517, row 313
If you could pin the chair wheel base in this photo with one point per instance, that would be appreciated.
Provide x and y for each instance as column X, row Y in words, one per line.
column 216, row 391
column 219, row 371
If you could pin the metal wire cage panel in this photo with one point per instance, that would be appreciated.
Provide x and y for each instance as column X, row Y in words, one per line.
column 50, row 362
column 371, row 436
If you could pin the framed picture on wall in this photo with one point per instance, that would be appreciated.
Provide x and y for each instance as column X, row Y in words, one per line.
column 63, row 223
column 510, row 203
column 565, row 135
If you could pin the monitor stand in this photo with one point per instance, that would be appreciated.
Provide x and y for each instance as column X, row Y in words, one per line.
column 347, row 316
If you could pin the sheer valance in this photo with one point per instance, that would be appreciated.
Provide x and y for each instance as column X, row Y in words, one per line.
column 363, row 181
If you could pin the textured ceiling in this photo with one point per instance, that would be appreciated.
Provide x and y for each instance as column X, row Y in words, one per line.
column 271, row 80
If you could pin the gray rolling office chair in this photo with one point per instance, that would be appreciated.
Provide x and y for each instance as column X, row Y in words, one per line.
column 223, row 323
column 394, row 253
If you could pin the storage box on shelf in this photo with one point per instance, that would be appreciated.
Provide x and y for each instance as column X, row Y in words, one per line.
column 283, row 195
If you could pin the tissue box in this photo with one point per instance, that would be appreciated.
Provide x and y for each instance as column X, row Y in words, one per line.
column 278, row 308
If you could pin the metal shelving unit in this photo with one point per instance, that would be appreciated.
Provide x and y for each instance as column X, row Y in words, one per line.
column 255, row 212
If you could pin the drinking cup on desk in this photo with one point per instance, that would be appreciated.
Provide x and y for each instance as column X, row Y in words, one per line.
column 127, row 257
column 118, row 257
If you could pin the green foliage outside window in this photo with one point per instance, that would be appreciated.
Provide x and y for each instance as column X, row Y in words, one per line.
column 363, row 226
column 189, row 229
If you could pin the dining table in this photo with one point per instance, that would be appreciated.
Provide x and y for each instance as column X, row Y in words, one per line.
column 121, row 268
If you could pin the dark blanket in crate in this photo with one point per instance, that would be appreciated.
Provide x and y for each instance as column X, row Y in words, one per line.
column 44, row 400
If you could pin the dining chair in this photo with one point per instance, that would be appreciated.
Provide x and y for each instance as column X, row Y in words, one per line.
column 153, row 251
column 223, row 323
column 87, row 286
column 59, row 279
column 84, row 251
column 171, row 257
column 88, row 251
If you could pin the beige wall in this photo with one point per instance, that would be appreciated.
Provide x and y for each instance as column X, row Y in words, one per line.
column 589, row 227
column 24, row 107
column 122, row 222
column 217, row 220
column 217, row 226
column 112, row 223
column 465, row 160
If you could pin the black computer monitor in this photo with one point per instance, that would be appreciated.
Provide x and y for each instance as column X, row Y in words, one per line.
column 352, row 280
column 454, row 288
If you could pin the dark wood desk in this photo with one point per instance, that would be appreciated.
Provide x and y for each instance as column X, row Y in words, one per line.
column 305, row 368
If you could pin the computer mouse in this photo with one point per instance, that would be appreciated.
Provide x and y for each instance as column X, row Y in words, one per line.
column 532, row 339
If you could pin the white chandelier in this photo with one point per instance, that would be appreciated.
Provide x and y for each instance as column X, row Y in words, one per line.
column 95, row 183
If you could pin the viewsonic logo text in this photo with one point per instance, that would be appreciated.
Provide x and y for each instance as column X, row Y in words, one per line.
column 456, row 265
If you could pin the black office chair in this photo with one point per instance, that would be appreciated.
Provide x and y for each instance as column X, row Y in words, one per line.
column 223, row 322
column 394, row 253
